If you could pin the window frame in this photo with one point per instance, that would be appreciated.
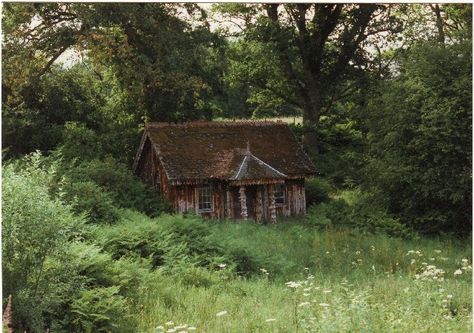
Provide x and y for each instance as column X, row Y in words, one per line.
column 282, row 196
column 208, row 195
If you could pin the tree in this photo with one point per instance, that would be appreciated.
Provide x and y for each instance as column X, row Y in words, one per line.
column 318, row 47
column 420, row 138
column 143, row 62
column 35, row 233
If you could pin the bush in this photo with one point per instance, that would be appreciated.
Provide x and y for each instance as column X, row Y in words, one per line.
column 369, row 214
column 89, row 199
column 330, row 214
column 124, row 189
column 317, row 191
column 35, row 233
column 362, row 212
column 98, row 310
column 80, row 142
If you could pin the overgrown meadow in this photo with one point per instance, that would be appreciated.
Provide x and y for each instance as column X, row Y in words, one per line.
column 79, row 255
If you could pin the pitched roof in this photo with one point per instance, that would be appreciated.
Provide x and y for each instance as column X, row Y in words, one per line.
column 206, row 150
column 251, row 167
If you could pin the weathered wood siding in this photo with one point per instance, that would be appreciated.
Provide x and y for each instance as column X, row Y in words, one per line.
column 225, row 198
column 295, row 199
column 151, row 171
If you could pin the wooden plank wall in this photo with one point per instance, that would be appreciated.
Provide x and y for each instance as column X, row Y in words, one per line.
column 295, row 200
column 184, row 198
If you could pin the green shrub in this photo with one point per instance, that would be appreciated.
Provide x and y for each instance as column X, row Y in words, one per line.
column 80, row 142
column 327, row 215
column 90, row 199
column 99, row 269
column 35, row 232
column 170, row 240
column 317, row 191
column 359, row 211
column 98, row 310
column 125, row 190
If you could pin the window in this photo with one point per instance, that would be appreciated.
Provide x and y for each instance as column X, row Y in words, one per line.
column 205, row 199
column 280, row 194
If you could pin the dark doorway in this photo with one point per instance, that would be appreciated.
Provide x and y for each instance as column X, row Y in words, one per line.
column 250, row 193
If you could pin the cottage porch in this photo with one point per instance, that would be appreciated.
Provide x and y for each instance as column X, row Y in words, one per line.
column 255, row 201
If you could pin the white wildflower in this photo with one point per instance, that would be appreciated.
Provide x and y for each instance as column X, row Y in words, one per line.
column 458, row 272
column 169, row 323
column 292, row 284
column 221, row 313
column 412, row 262
column 306, row 294
column 449, row 296
column 222, row 265
column 181, row 326
column 437, row 251
column 431, row 272
column 432, row 259
column 263, row 270
column 372, row 247
column 357, row 252
column 171, row 330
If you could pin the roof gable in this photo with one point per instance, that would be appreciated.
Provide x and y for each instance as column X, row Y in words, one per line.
column 218, row 150
column 252, row 167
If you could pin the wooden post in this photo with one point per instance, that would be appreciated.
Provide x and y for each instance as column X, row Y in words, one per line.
column 7, row 316
column 259, row 208
column 243, row 203
column 228, row 204
column 271, row 194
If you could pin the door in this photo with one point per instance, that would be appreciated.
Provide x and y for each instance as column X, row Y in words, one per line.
column 250, row 195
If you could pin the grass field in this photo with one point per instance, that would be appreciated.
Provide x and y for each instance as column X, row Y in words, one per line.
column 316, row 281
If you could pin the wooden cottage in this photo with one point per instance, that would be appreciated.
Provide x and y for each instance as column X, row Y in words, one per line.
column 234, row 170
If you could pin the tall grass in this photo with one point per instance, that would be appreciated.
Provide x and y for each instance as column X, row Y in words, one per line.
column 345, row 282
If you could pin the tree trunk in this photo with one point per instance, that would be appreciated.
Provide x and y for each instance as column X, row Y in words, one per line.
column 311, row 114
column 439, row 23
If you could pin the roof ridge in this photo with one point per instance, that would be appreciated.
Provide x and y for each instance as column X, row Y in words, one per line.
column 247, row 156
column 215, row 123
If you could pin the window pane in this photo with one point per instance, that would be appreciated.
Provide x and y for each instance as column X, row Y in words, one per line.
column 280, row 194
column 205, row 198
